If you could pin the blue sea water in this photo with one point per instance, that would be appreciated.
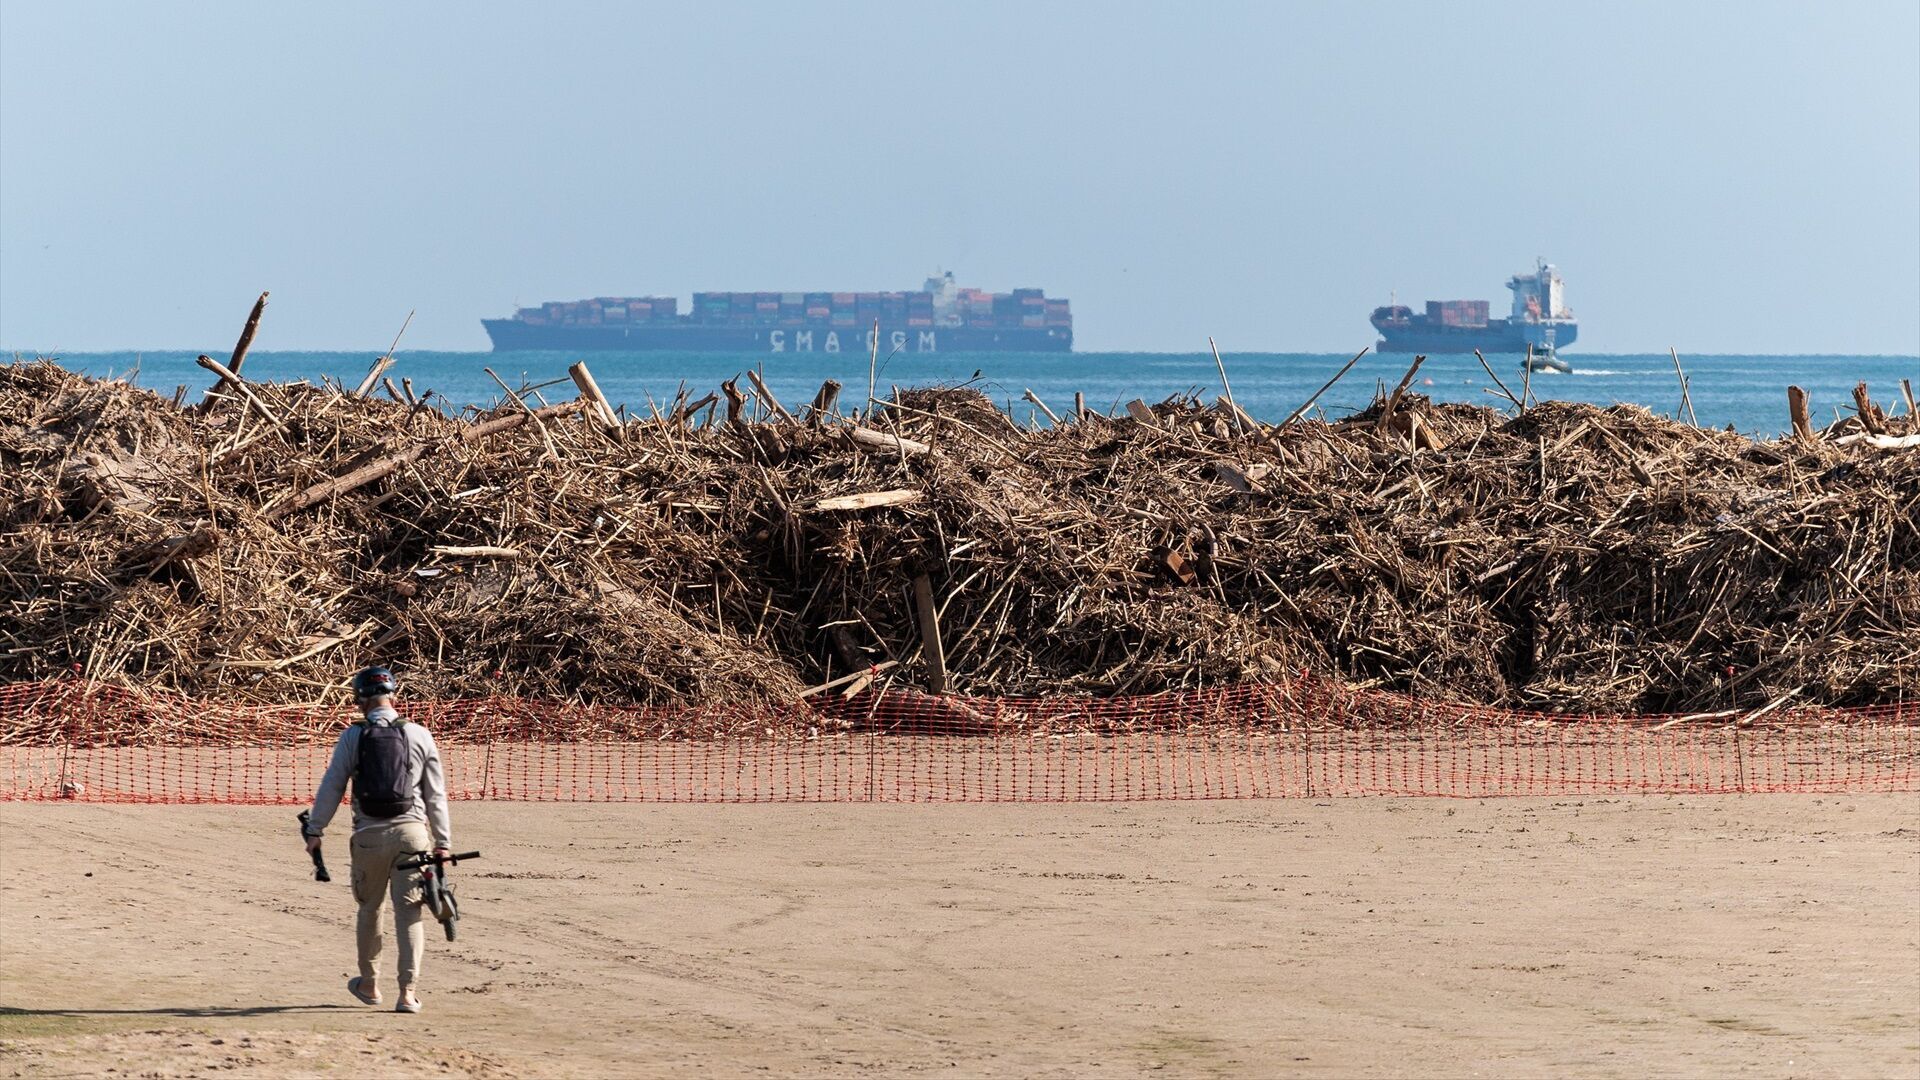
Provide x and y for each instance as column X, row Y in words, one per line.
column 1747, row 392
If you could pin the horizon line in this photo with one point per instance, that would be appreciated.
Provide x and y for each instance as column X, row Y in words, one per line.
column 36, row 354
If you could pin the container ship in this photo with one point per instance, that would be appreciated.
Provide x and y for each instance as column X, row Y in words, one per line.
column 1540, row 320
column 941, row 317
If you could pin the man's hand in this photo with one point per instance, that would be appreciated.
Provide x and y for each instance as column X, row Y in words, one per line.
column 313, row 843
column 440, row 854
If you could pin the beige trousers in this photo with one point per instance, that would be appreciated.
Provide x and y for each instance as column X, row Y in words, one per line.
column 375, row 850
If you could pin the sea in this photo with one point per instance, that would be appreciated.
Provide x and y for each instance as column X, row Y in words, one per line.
column 1745, row 393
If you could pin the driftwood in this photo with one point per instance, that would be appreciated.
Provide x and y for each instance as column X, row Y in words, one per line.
column 766, row 395
column 1240, row 418
column 869, row 500
column 1686, row 395
column 930, row 646
column 1571, row 557
column 1392, row 408
column 233, row 381
column 247, row 332
column 1328, row 385
column 387, row 466
column 882, row 440
column 1797, row 413
column 1504, row 392
column 850, row 685
column 1872, row 419
column 546, row 437
column 379, row 367
column 1034, row 399
column 597, row 402
column 736, row 403
column 825, row 403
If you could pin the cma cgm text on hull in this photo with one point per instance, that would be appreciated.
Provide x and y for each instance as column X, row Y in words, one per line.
column 1540, row 320
column 941, row 317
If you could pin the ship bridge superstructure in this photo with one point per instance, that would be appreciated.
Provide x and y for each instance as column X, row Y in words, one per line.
column 1541, row 296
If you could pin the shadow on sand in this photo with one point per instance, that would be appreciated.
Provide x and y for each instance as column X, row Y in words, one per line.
column 201, row 1013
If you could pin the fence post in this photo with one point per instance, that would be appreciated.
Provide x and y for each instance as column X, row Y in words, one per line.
column 486, row 773
column 66, row 787
column 1306, row 755
column 869, row 766
column 1306, row 738
column 1739, row 761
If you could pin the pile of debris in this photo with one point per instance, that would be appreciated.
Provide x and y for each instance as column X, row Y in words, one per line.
column 262, row 544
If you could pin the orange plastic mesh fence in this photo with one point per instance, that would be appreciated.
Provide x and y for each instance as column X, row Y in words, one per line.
column 1303, row 738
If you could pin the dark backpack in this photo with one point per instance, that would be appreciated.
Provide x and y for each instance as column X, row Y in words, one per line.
column 380, row 774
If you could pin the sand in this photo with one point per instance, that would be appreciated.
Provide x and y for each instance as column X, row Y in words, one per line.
column 1706, row 936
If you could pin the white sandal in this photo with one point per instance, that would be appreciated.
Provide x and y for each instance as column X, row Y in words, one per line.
column 353, row 987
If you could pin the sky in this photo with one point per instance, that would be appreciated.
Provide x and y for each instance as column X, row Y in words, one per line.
column 1717, row 177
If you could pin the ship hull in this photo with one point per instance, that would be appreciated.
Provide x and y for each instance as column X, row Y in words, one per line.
column 515, row 335
column 1498, row 336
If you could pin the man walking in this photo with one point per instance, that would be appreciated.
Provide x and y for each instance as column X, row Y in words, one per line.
column 399, row 798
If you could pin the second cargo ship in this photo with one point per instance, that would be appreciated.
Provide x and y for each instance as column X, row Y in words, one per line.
column 1540, row 320
column 941, row 317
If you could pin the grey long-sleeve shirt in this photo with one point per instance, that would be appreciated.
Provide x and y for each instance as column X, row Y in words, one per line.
column 424, row 779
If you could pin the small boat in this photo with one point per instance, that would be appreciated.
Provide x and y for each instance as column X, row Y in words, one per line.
column 1546, row 360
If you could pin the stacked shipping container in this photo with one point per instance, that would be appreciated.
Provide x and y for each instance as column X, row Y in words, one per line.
column 1463, row 313
column 1020, row 309
column 617, row 310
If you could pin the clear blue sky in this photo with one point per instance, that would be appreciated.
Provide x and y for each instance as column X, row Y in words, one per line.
column 1737, row 177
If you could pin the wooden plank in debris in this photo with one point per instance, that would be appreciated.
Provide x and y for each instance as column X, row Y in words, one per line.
column 1241, row 418
column 736, row 402
column 1871, row 417
column 1421, row 434
column 929, row 617
column 1879, row 442
column 859, row 678
column 1177, row 565
column 881, row 440
column 1139, row 411
column 374, row 371
column 825, row 403
column 1242, row 477
column 312, row 647
column 478, row 551
column 1034, row 399
column 766, row 395
column 190, row 545
column 1797, row 412
column 590, row 389
column 1399, row 392
column 867, row 500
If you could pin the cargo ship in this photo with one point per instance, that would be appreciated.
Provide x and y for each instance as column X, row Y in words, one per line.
column 941, row 317
column 1540, row 319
